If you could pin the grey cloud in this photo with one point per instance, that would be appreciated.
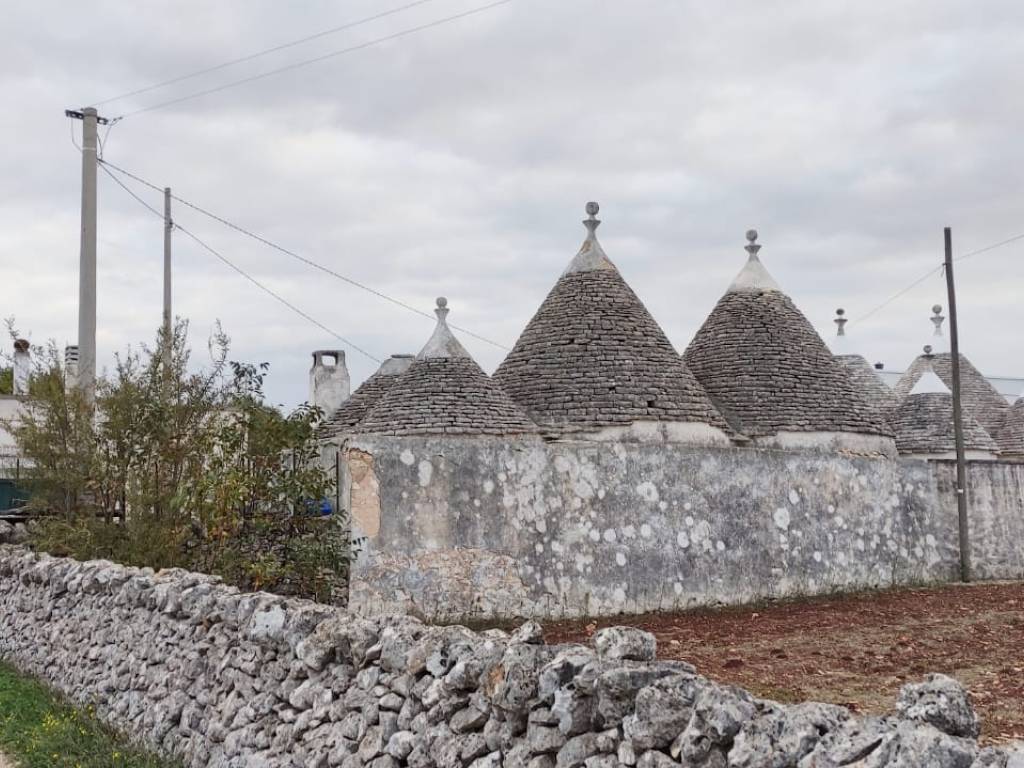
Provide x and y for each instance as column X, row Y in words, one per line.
column 457, row 162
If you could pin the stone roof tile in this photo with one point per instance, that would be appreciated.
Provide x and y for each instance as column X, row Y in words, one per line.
column 593, row 356
column 867, row 381
column 924, row 425
column 980, row 399
column 365, row 397
column 1010, row 436
column 767, row 369
column 444, row 391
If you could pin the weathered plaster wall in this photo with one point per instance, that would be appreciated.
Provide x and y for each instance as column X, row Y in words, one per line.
column 995, row 515
column 225, row 680
column 10, row 410
column 477, row 527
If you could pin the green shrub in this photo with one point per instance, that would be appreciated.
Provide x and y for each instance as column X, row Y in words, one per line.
column 177, row 468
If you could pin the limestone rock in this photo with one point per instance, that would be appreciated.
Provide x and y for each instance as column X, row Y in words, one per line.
column 940, row 701
column 625, row 643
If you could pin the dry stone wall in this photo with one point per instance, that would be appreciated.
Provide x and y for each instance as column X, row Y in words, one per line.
column 995, row 513
column 227, row 680
column 496, row 528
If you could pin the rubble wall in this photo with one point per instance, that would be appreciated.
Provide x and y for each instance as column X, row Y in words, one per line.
column 995, row 515
column 192, row 668
column 488, row 528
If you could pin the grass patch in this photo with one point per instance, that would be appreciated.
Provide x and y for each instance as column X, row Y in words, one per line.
column 38, row 729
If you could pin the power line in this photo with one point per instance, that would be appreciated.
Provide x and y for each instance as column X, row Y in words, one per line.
column 895, row 296
column 992, row 247
column 299, row 257
column 277, row 296
column 317, row 59
column 264, row 52
column 239, row 270
column 936, row 270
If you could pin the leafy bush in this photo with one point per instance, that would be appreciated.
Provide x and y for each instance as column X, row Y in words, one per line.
column 177, row 468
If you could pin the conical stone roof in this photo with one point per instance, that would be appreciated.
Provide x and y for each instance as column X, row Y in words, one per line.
column 863, row 375
column 593, row 357
column 444, row 392
column 923, row 421
column 352, row 411
column 1010, row 436
column 980, row 399
column 768, row 370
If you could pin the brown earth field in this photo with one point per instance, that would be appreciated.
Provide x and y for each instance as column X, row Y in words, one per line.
column 855, row 650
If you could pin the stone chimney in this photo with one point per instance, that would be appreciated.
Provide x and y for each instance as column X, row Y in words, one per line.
column 22, row 366
column 329, row 383
column 71, row 365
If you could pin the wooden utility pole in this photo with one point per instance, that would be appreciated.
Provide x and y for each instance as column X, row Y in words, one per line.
column 168, row 317
column 958, row 424
column 87, row 253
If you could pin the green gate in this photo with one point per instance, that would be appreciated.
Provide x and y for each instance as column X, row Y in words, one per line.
column 11, row 495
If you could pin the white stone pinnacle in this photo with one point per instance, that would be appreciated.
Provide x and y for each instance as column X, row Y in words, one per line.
column 591, row 255
column 754, row 276
column 442, row 343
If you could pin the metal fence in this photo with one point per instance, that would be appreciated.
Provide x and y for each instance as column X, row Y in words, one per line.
column 12, row 466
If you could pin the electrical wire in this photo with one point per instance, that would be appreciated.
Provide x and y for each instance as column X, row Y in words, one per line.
column 318, row 59
column 239, row 270
column 264, row 52
column 992, row 247
column 939, row 269
column 277, row 296
column 896, row 296
column 299, row 257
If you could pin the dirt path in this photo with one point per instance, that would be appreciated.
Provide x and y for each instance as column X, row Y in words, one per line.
column 5, row 762
column 857, row 650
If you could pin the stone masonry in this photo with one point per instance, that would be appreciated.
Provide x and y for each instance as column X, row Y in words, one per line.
column 227, row 680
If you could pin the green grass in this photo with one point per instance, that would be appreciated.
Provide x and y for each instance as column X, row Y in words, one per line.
column 40, row 730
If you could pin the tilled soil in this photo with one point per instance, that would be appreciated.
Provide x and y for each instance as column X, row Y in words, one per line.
column 855, row 650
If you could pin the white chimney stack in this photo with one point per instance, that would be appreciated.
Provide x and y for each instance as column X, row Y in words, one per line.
column 329, row 383
column 22, row 366
column 71, row 365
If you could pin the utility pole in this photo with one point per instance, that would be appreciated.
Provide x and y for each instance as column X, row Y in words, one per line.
column 87, row 253
column 958, row 424
column 168, row 328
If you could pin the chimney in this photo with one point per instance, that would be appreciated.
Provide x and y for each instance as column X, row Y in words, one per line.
column 22, row 366
column 328, row 380
column 71, row 365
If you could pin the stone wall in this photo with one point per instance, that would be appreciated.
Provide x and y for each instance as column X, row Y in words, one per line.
column 995, row 514
column 227, row 680
column 476, row 527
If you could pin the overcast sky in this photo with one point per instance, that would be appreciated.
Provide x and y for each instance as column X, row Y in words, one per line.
column 457, row 162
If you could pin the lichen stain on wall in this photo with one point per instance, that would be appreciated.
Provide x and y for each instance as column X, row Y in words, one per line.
column 439, row 584
column 621, row 527
column 365, row 493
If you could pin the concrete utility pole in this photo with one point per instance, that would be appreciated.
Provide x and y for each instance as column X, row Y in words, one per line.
column 168, row 229
column 958, row 423
column 87, row 253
